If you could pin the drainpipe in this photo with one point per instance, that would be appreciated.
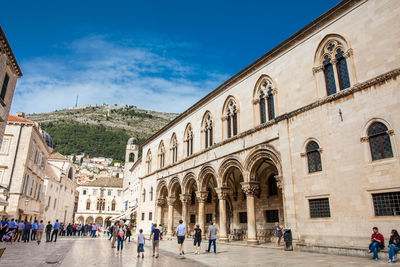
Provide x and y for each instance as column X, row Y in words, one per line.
column 13, row 166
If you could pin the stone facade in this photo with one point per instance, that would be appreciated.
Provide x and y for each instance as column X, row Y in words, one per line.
column 99, row 201
column 307, row 135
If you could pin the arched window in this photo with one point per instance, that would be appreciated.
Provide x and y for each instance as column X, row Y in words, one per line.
column 113, row 203
column 189, row 140
column 231, row 117
column 161, row 155
column 148, row 161
column 272, row 186
column 209, row 195
column 379, row 141
column 174, row 148
column 208, row 127
column 131, row 157
column 332, row 57
column 100, row 205
column 313, row 157
column 88, row 204
column 264, row 98
column 144, row 195
column 193, row 198
column 151, row 194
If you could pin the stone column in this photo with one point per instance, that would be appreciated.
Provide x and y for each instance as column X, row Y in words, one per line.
column 251, row 190
column 222, row 195
column 185, row 200
column 201, row 198
column 171, row 201
column 160, row 204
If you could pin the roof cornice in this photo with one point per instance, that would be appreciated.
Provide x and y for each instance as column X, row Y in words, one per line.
column 6, row 49
column 302, row 34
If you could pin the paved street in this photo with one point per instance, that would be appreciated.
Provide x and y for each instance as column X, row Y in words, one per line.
column 69, row 252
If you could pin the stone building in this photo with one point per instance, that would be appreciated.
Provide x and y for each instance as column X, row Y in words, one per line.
column 306, row 135
column 99, row 201
column 23, row 160
column 59, row 189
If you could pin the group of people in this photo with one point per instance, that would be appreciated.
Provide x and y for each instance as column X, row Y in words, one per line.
column 378, row 243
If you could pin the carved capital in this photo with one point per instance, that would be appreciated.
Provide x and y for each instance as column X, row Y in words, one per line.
column 279, row 181
column 274, row 92
column 185, row 198
column 224, row 118
column 251, row 188
column 320, row 150
column 202, row 196
column 390, row 132
column 334, row 61
column 364, row 139
column 160, row 202
column 318, row 69
column 256, row 101
column 171, row 201
column 303, row 154
column 222, row 192
column 348, row 53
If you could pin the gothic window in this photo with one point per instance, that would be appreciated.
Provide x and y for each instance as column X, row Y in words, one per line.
column 148, row 162
column 113, row 203
column 88, row 204
column 151, row 194
column 189, row 140
column 231, row 115
column 272, row 186
column 313, row 157
column 100, row 205
column 264, row 98
column 174, row 148
column 161, row 155
column 193, row 198
column 208, row 130
column 333, row 55
column 379, row 141
column 263, row 117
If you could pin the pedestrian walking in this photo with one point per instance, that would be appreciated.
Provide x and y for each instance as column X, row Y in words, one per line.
column 156, row 240
column 278, row 233
column 111, row 231
column 120, row 237
column 128, row 234
column 54, row 234
column 212, row 237
column 181, row 233
column 197, row 239
column 161, row 230
column 20, row 231
column 114, row 233
column 4, row 225
column 140, row 241
column 35, row 227
column 49, row 227
column 40, row 231
column 27, row 231
column 394, row 245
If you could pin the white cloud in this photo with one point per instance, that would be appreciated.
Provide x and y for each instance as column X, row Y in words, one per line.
column 101, row 71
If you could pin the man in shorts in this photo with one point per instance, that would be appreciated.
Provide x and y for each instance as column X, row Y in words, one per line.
column 156, row 240
column 180, row 233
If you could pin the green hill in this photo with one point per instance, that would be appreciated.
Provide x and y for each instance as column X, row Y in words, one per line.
column 100, row 130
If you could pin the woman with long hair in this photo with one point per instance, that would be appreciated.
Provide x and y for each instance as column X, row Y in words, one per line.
column 394, row 244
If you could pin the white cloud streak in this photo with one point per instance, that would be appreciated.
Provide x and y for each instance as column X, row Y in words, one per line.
column 103, row 71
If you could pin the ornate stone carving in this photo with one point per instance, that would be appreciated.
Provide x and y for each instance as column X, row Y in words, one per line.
column 185, row 198
column 279, row 181
column 318, row 69
column 334, row 61
column 222, row 192
column 171, row 201
column 256, row 101
column 202, row 196
column 390, row 132
column 364, row 139
column 303, row 154
column 251, row 188
column 160, row 202
column 348, row 53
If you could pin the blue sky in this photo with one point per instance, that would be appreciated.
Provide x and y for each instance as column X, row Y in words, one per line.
column 160, row 55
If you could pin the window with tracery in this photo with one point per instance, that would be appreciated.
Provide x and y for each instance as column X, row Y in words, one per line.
column 208, row 130
column 148, row 162
column 161, row 155
column 265, row 99
column 174, row 149
column 313, row 157
column 113, row 203
column 101, row 204
column 189, row 140
column 379, row 141
column 231, row 113
column 88, row 204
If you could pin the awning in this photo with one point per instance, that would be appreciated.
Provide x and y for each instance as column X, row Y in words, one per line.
column 123, row 215
column 3, row 202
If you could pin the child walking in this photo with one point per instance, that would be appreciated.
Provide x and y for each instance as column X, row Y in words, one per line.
column 140, row 242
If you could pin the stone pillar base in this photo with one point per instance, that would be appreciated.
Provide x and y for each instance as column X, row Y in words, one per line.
column 252, row 242
column 223, row 240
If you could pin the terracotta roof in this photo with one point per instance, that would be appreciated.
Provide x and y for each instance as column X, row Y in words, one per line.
column 56, row 155
column 18, row 119
column 106, row 182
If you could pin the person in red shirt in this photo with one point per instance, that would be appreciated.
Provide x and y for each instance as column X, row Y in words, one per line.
column 377, row 242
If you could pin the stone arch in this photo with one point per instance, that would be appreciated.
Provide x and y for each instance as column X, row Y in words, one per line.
column 89, row 220
column 107, row 221
column 263, row 78
column 319, row 52
column 161, row 189
column 205, row 172
column 174, row 184
column 228, row 163
column 188, row 181
column 80, row 220
column 99, row 220
column 265, row 151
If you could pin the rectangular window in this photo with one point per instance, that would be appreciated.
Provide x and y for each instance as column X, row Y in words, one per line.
column 143, row 216
column 4, row 87
column 109, row 192
column 2, row 178
column 4, row 146
column 84, row 192
column 119, row 193
column 192, row 218
column 32, row 185
column 272, row 216
column 208, row 217
column 387, row 204
column 48, row 202
column 150, row 216
column 319, row 208
column 243, row 217
column 55, row 203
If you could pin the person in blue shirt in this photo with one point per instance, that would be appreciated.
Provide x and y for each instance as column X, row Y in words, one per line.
column 3, row 228
column 56, row 227
column 12, row 225
column 34, row 230
column 27, row 231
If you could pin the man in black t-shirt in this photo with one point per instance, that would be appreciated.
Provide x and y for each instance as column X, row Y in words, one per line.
column 197, row 239
column 156, row 240
column 49, row 226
